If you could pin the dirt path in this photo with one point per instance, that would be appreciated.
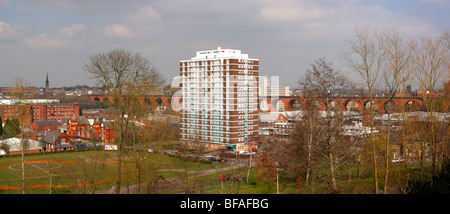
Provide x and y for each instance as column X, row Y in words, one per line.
column 174, row 183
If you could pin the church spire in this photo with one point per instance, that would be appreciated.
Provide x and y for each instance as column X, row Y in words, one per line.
column 46, row 83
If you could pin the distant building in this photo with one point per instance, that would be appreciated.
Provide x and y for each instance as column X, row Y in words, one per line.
column 280, row 125
column 278, row 91
column 29, row 113
column 57, row 141
column 264, row 85
column 277, row 125
column 45, row 125
column 97, row 130
column 296, row 93
column 269, row 88
column 13, row 91
column 7, row 101
column 13, row 146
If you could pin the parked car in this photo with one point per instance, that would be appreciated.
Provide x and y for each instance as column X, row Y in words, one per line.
column 398, row 160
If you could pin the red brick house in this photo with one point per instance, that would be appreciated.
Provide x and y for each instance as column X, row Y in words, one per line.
column 57, row 141
column 79, row 127
column 99, row 130
column 277, row 125
column 108, row 132
column 282, row 126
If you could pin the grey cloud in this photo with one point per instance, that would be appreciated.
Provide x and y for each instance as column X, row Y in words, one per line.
column 169, row 31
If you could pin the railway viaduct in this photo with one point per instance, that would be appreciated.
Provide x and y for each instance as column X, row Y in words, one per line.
column 270, row 104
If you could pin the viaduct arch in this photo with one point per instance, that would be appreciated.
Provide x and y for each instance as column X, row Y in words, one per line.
column 153, row 102
column 382, row 105
column 270, row 104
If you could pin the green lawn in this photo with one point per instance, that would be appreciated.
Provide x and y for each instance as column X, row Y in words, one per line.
column 64, row 171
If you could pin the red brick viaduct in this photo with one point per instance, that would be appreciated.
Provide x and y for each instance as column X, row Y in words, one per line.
column 295, row 103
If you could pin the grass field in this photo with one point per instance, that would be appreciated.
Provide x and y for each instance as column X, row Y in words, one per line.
column 82, row 171
column 95, row 170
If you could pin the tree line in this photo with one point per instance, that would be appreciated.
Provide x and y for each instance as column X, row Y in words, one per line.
column 320, row 158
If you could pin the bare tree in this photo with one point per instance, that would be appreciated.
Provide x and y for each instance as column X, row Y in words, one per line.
column 445, row 37
column 446, row 41
column 364, row 55
column 429, row 61
column 323, row 134
column 395, row 73
column 403, row 175
column 303, row 141
column 23, row 118
column 126, row 76
column 321, row 80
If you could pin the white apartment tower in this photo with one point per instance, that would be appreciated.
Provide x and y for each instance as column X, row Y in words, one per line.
column 219, row 107
column 267, row 88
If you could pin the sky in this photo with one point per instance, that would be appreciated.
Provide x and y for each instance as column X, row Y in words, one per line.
column 58, row 36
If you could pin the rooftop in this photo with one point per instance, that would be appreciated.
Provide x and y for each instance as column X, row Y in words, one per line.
column 47, row 123
column 219, row 53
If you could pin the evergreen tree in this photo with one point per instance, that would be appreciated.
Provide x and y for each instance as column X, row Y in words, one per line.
column 1, row 127
column 12, row 128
